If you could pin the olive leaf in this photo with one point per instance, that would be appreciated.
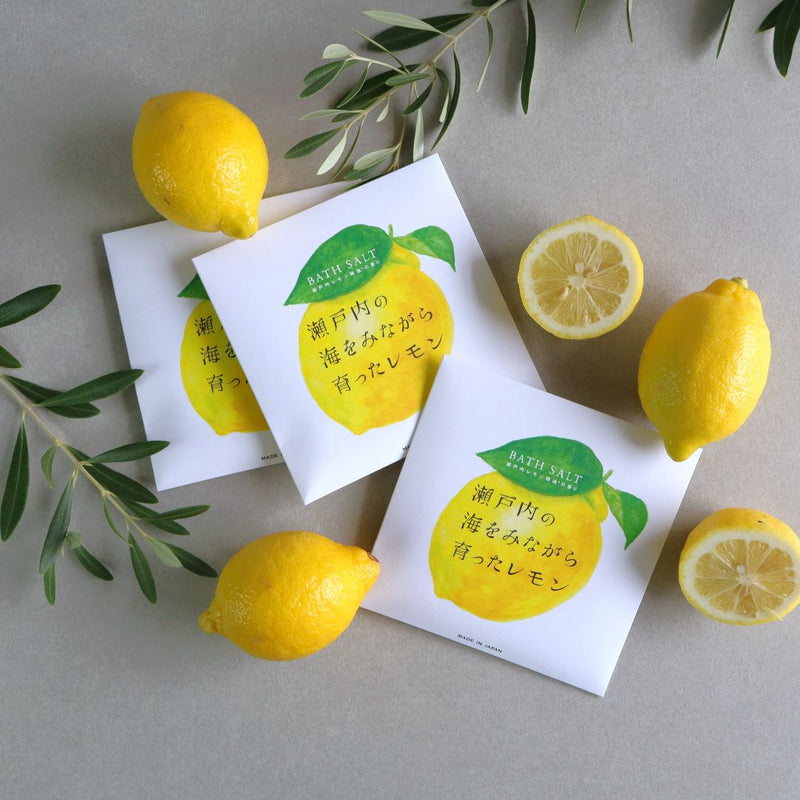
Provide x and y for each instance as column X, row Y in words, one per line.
column 15, row 494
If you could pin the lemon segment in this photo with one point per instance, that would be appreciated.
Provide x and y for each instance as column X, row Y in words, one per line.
column 581, row 278
column 742, row 567
column 200, row 162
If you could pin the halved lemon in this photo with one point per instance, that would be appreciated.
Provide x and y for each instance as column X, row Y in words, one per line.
column 741, row 566
column 581, row 278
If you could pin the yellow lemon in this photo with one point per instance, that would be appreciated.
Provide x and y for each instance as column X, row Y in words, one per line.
column 704, row 366
column 200, row 162
column 213, row 378
column 741, row 566
column 369, row 357
column 289, row 594
column 503, row 552
column 581, row 278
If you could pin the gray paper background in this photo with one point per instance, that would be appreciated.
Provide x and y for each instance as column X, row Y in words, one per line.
column 696, row 159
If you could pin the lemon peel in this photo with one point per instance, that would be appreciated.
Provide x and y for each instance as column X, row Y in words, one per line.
column 289, row 594
column 200, row 162
column 704, row 366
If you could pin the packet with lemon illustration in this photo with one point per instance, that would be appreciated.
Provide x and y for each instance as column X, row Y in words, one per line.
column 341, row 315
column 525, row 526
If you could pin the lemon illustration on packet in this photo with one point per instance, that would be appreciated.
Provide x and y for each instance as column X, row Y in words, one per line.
column 525, row 537
column 212, row 376
column 376, row 327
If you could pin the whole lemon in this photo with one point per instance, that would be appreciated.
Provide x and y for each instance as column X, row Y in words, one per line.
column 704, row 366
column 289, row 594
column 524, row 556
column 200, row 162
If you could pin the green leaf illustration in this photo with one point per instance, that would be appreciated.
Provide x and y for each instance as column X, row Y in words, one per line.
column 341, row 264
column 430, row 241
column 194, row 290
column 629, row 511
column 547, row 464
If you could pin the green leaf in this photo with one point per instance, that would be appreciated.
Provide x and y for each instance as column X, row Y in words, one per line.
column 129, row 452
column 418, row 102
column 8, row 360
column 530, row 60
column 370, row 160
column 39, row 393
column 787, row 25
column 372, row 89
column 629, row 511
column 184, row 513
column 15, row 494
column 418, row 150
column 357, row 87
column 194, row 290
column 323, row 113
column 771, row 19
column 580, row 14
column 47, row 464
column 406, row 77
column 49, row 580
column 192, row 562
column 490, row 32
column 109, row 520
column 121, row 485
column 445, row 81
column 337, row 51
column 629, row 13
column 142, row 571
column 323, row 76
column 59, row 525
column 333, row 157
column 547, row 464
column 164, row 522
column 91, row 564
column 332, row 269
column 164, row 553
column 430, row 241
column 401, row 21
column 96, row 389
column 398, row 38
column 309, row 145
column 452, row 101
column 725, row 26
column 26, row 304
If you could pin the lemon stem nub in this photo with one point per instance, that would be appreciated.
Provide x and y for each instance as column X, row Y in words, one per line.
column 741, row 281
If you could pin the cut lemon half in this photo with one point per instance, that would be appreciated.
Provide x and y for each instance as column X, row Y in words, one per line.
column 742, row 567
column 581, row 278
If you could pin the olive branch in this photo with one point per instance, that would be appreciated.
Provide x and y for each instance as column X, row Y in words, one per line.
column 427, row 94
column 127, row 504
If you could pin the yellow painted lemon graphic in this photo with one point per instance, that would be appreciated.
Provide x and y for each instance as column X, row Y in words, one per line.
column 376, row 327
column 213, row 378
column 520, row 540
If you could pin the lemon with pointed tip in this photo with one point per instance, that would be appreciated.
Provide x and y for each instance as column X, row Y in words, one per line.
column 741, row 566
column 704, row 366
column 581, row 278
column 201, row 162
column 289, row 594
